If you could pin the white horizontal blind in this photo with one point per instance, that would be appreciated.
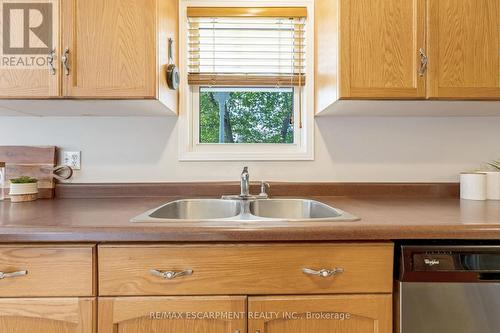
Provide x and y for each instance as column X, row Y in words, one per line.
column 249, row 50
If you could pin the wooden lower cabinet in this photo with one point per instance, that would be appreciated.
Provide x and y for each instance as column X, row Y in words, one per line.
column 245, row 269
column 344, row 302
column 203, row 314
column 229, row 314
column 47, row 315
column 50, row 270
column 321, row 314
column 211, row 314
column 356, row 299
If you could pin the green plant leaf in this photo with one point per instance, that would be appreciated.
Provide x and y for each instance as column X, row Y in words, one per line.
column 23, row 180
column 495, row 164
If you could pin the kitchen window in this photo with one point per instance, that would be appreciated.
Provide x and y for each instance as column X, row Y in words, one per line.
column 247, row 81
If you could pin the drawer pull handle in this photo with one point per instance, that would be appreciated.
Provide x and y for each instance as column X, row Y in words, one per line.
column 12, row 274
column 169, row 275
column 323, row 272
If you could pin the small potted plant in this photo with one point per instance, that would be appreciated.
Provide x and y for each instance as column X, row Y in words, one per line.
column 495, row 164
column 23, row 189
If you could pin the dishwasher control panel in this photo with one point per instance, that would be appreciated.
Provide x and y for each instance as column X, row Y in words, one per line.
column 464, row 263
column 434, row 262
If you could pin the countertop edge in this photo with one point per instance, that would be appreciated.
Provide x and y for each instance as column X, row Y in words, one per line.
column 115, row 235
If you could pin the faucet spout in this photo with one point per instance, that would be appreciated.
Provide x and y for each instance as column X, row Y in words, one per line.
column 245, row 183
column 245, row 189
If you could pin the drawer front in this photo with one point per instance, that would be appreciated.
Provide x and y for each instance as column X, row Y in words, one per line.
column 245, row 269
column 46, row 271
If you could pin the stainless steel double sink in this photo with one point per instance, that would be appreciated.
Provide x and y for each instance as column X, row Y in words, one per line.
column 201, row 210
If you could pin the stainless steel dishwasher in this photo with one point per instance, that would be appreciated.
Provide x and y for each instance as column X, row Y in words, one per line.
column 448, row 289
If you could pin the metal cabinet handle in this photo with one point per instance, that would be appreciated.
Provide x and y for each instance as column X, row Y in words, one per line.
column 52, row 67
column 4, row 275
column 65, row 61
column 169, row 275
column 424, row 61
column 323, row 272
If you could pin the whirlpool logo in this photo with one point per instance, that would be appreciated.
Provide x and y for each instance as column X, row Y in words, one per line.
column 27, row 33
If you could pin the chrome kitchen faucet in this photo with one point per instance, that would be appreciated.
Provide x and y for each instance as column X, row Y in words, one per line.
column 245, row 188
column 245, row 183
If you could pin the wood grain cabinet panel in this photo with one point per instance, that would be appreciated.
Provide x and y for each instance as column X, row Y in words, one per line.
column 464, row 49
column 28, row 75
column 111, row 47
column 114, row 49
column 379, row 46
column 232, row 269
column 51, row 270
column 172, row 314
column 47, row 315
column 321, row 314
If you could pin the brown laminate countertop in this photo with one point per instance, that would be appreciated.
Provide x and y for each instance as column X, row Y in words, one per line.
column 382, row 218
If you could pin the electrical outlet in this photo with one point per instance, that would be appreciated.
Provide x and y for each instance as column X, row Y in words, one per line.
column 72, row 159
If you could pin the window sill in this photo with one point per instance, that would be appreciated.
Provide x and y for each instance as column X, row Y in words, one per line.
column 247, row 155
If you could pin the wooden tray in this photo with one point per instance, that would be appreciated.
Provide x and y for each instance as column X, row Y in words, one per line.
column 31, row 161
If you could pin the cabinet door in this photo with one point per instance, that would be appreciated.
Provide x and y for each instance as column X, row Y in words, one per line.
column 464, row 49
column 379, row 45
column 321, row 314
column 49, row 315
column 111, row 47
column 29, row 40
column 172, row 314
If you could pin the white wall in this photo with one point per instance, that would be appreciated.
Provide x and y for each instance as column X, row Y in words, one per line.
column 131, row 149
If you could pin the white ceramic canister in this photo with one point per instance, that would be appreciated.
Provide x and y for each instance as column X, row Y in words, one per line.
column 473, row 186
column 492, row 185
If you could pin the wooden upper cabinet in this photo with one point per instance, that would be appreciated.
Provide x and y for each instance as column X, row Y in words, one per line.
column 379, row 49
column 24, row 66
column 321, row 314
column 172, row 314
column 47, row 315
column 464, row 49
column 111, row 48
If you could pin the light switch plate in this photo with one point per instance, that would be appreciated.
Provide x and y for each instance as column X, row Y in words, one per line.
column 72, row 159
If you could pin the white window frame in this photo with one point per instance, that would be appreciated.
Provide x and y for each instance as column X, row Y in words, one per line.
column 188, row 126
